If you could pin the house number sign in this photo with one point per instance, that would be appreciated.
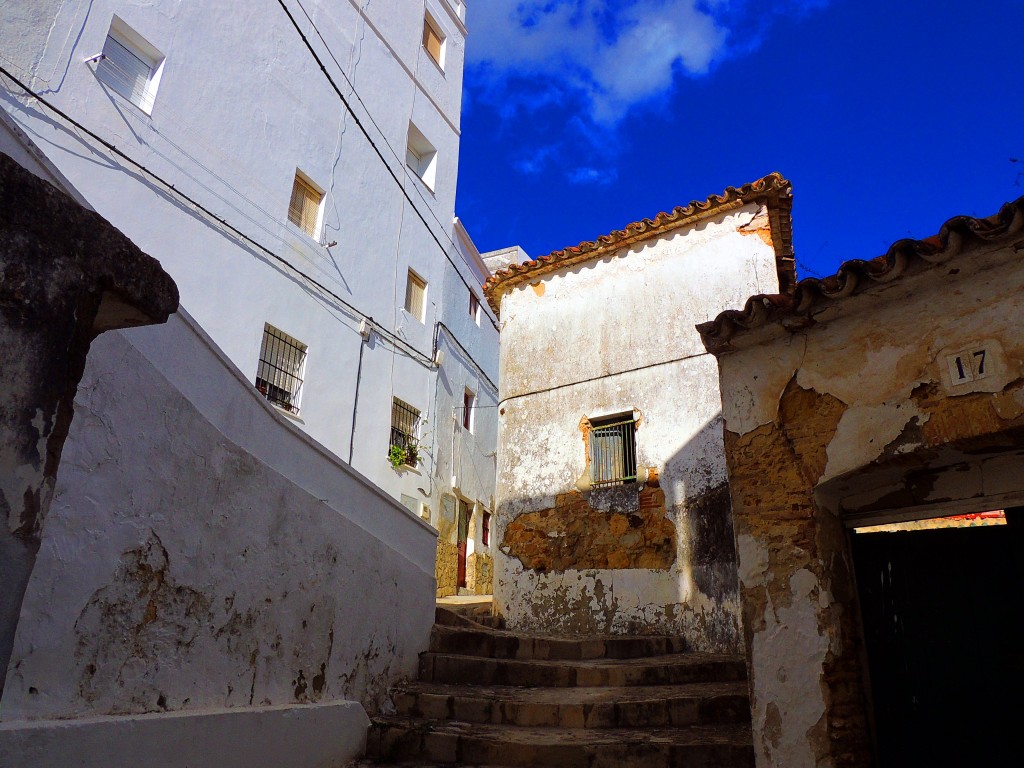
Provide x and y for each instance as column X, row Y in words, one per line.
column 978, row 367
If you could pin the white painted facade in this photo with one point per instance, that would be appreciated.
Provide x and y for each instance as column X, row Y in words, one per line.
column 240, row 110
column 616, row 335
column 202, row 556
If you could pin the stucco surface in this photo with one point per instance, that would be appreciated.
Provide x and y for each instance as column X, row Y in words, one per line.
column 846, row 415
column 562, row 362
column 182, row 572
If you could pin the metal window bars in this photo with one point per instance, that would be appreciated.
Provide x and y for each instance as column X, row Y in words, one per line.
column 405, row 423
column 279, row 372
column 612, row 452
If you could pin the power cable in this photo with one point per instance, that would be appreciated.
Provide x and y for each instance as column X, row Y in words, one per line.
column 196, row 205
column 377, row 151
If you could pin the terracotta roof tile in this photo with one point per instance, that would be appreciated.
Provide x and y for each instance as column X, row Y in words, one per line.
column 856, row 276
column 773, row 189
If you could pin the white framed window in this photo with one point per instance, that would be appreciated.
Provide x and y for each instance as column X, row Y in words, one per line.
column 468, row 410
column 421, row 157
column 305, row 209
column 415, row 295
column 280, row 369
column 474, row 307
column 130, row 65
column 433, row 41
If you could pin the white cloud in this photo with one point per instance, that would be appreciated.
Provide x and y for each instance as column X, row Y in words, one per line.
column 614, row 53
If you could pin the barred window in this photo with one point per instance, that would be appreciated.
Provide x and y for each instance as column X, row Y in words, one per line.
column 304, row 207
column 279, row 372
column 613, row 450
column 405, row 426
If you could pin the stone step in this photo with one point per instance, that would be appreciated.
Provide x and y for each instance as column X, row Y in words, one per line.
column 671, row 669
column 596, row 707
column 392, row 740
column 476, row 641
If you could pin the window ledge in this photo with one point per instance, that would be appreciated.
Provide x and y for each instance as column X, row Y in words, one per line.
column 285, row 412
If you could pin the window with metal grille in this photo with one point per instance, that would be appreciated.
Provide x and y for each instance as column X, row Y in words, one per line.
column 405, row 426
column 433, row 41
column 612, row 451
column 415, row 295
column 279, row 373
column 130, row 66
column 485, row 533
column 304, row 208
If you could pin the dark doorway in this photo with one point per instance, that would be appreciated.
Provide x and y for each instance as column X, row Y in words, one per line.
column 942, row 613
column 463, row 538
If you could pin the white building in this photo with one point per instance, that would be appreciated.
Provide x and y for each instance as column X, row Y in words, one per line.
column 613, row 512
column 306, row 214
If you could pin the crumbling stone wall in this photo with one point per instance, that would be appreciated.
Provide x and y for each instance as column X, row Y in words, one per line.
column 850, row 408
column 447, row 568
column 657, row 555
column 480, row 573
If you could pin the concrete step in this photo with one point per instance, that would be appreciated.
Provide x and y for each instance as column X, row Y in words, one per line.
column 670, row 669
column 596, row 707
column 475, row 641
column 392, row 740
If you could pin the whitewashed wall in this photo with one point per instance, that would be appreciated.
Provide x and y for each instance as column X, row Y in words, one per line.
column 204, row 554
column 606, row 337
column 241, row 105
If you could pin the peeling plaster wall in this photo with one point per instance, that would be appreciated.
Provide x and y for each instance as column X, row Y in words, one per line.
column 608, row 337
column 181, row 570
column 855, row 411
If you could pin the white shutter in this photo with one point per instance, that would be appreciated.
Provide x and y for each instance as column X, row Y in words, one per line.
column 126, row 72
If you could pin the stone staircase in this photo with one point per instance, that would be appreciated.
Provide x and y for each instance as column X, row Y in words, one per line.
column 487, row 697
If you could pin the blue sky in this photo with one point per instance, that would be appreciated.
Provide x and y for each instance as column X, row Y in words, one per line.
column 581, row 116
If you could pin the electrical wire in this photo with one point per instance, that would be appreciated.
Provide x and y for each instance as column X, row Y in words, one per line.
column 376, row 149
column 196, row 205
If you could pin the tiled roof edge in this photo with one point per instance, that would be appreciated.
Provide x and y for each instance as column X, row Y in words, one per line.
column 856, row 276
column 773, row 188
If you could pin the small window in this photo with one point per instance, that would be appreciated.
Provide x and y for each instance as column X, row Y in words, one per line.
column 415, row 295
column 468, row 403
column 474, row 307
column 280, row 370
column 421, row 157
column 613, row 450
column 405, row 426
column 433, row 41
column 130, row 66
column 305, row 205
column 485, row 533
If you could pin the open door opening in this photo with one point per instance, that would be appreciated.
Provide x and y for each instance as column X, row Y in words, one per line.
column 463, row 539
column 942, row 611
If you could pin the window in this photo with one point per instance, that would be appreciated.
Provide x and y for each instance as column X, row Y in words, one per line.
column 433, row 41
column 613, row 450
column 421, row 157
column 415, row 295
column 405, row 426
column 130, row 66
column 485, row 533
column 305, row 205
column 280, row 370
column 468, row 401
column 474, row 307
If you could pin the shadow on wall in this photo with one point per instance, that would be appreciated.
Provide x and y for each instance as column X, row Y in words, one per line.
column 657, row 555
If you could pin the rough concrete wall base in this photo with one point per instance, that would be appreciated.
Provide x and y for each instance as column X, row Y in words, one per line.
column 447, row 568
column 311, row 736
